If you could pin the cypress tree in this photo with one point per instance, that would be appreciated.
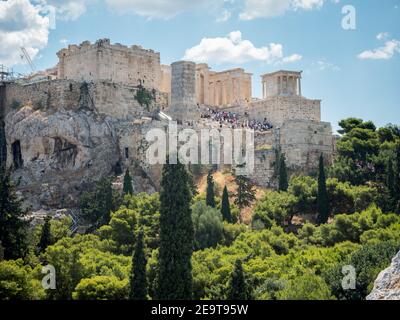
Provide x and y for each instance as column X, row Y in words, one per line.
column 45, row 237
column 106, row 200
column 283, row 176
column 13, row 226
column 238, row 288
column 390, row 179
column 176, row 235
column 397, row 172
column 138, row 280
column 192, row 184
column 210, row 197
column 245, row 192
column 225, row 206
column 128, row 188
column 322, row 197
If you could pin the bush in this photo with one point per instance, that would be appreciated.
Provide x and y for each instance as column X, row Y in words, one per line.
column 208, row 226
column 101, row 288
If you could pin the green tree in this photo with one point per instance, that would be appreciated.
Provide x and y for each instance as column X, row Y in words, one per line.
column 322, row 196
column 275, row 206
column 45, row 237
column 208, row 226
column 226, row 207
column 19, row 282
column 390, row 179
column 176, row 235
column 397, row 172
column 121, row 229
column 357, row 150
column 138, row 280
column 238, row 287
column 192, row 183
column 101, row 288
column 246, row 193
column 97, row 205
column 128, row 187
column 210, row 197
column 283, row 176
column 306, row 287
column 368, row 261
column 148, row 212
column 13, row 222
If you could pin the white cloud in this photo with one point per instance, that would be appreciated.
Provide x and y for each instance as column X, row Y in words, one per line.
column 293, row 58
column 161, row 9
column 21, row 25
column 324, row 65
column 383, row 53
column 233, row 49
column 225, row 16
column 270, row 8
column 67, row 9
column 383, row 36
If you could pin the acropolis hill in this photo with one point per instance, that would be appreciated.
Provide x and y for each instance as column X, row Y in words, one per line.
column 67, row 127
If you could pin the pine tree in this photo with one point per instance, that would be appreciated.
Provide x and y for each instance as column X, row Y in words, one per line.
column 245, row 192
column 176, row 235
column 238, row 288
column 322, row 197
column 225, row 206
column 45, row 237
column 128, row 188
column 283, row 176
column 210, row 197
column 138, row 280
column 13, row 224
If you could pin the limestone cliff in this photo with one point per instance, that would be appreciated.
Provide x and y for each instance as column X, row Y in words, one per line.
column 54, row 153
column 387, row 285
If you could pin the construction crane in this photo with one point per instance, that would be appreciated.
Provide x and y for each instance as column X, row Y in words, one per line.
column 27, row 57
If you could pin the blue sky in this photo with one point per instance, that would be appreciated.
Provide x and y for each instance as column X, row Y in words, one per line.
column 354, row 72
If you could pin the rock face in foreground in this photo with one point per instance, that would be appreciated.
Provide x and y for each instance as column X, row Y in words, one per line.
column 54, row 153
column 387, row 285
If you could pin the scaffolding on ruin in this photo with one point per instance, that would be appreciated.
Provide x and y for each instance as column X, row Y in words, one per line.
column 8, row 74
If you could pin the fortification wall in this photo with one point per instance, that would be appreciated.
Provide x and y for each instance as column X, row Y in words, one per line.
column 302, row 142
column 278, row 110
column 107, row 98
column 103, row 61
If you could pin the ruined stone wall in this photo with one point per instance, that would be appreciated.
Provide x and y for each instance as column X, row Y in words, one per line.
column 302, row 142
column 103, row 61
column 278, row 110
column 107, row 98
column 43, row 95
column 119, row 101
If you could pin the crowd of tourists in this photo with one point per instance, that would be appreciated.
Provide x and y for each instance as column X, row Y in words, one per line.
column 231, row 119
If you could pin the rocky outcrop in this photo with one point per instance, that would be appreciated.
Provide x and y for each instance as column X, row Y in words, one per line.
column 55, row 153
column 387, row 285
